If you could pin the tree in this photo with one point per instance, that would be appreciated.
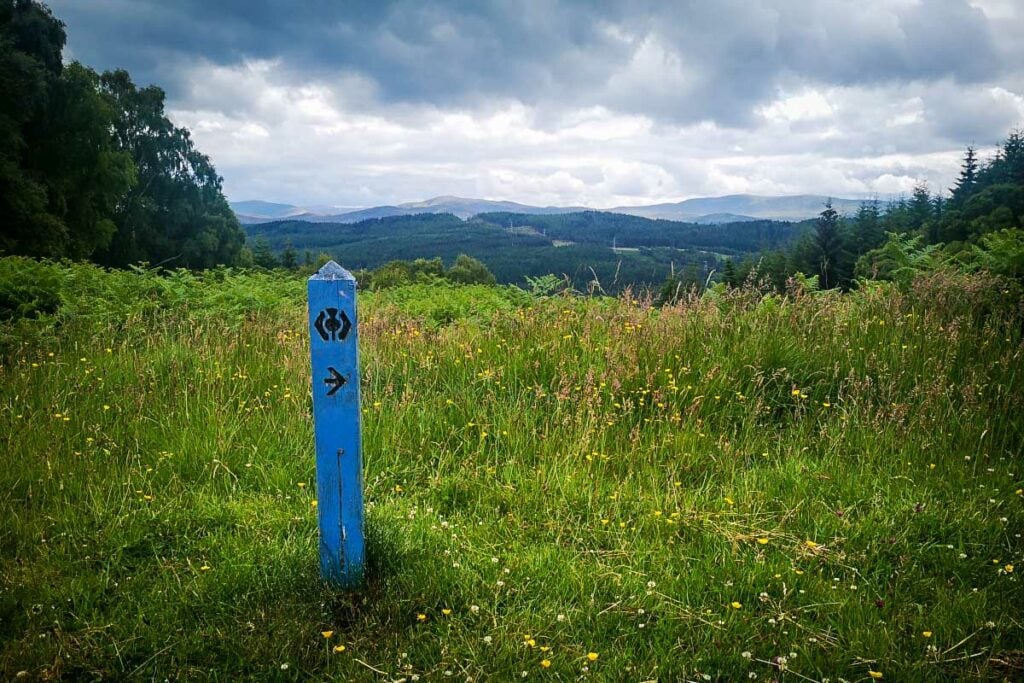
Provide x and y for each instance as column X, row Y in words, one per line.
column 262, row 255
column 468, row 270
column 85, row 159
column 31, row 40
column 921, row 208
column 175, row 214
column 729, row 276
column 968, row 176
column 867, row 228
column 289, row 257
column 827, row 248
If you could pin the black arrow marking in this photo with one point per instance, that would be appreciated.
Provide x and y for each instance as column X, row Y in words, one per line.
column 335, row 381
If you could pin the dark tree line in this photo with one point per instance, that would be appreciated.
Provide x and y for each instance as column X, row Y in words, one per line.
column 90, row 166
column 978, row 224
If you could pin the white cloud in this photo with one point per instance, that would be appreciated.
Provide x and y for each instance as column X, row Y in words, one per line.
column 306, row 142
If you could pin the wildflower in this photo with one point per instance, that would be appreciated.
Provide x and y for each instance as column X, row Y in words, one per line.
column 488, row 639
column 811, row 544
column 875, row 674
column 1008, row 569
column 545, row 663
column 592, row 656
column 729, row 500
column 746, row 654
column 763, row 541
column 205, row 568
column 301, row 484
column 327, row 634
column 736, row 605
column 446, row 611
column 926, row 634
column 421, row 617
column 339, row 648
column 795, row 392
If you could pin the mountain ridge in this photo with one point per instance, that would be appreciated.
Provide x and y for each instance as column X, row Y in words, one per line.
column 721, row 209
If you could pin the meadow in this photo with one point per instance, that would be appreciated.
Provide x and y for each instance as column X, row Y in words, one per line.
column 738, row 486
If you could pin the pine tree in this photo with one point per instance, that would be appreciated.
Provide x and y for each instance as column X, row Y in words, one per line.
column 921, row 208
column 289, row 257
column 968, row 176
column 827, row 248
column 729, row 273
column 868, row 232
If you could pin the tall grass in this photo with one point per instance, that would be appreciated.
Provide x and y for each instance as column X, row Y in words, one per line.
column 784, row 487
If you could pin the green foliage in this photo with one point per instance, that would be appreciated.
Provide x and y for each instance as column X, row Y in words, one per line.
column 467, row 270
column 28, row 289
column 89, row 165
column 901, row 259
column 175, row 215
column 828, row 254
column 511, row 256
column 1001, row 252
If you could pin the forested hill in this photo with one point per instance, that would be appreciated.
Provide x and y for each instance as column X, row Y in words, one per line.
column 621, row 230
column 617, row 249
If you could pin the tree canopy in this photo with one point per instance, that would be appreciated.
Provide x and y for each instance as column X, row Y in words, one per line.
column 90, row 166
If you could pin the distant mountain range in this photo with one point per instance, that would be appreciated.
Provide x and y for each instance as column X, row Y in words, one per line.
column 708, row 210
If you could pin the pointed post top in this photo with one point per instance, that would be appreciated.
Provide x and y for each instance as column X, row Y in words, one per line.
column 332, row 271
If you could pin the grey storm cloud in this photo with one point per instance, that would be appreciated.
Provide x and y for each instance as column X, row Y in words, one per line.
column 570, row 101
column 674, row 61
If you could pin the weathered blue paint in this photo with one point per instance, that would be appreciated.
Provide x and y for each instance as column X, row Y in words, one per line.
column 334, row 347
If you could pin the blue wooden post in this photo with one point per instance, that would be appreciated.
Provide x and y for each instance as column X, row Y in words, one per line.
column 334, row 337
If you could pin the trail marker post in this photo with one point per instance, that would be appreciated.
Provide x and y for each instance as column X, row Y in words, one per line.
column 334, row 347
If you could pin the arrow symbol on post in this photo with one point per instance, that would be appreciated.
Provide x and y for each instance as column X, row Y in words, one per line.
column 335, row 381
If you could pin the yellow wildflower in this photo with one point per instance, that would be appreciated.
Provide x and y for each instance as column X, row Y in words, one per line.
column 545, row 663
column 592, row 656
column 327, row 634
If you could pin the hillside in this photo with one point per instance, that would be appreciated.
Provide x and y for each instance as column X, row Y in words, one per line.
column 576, row 488
column 515, row 246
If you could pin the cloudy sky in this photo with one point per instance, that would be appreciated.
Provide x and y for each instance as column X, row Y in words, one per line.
column 563, row 102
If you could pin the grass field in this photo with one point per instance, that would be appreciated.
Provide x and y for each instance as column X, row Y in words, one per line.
column 804, row 488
